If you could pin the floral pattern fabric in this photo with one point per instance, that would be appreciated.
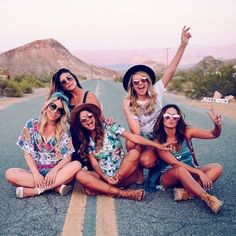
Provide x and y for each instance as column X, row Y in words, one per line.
column 112, row 153
column 43, row 151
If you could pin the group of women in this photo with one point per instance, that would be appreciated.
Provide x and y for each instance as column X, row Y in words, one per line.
column 72, row 132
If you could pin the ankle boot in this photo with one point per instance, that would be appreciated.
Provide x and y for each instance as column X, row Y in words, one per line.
column 214, row 203
column 181, row 194
column 131, row 194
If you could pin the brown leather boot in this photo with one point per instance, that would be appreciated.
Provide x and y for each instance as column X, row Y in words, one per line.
column 214, row 203
column 131, row 194
column 181, row 194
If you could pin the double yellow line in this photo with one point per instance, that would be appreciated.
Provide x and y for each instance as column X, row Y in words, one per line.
column 105, row 217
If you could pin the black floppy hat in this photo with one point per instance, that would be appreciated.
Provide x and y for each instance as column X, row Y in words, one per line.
column 135, row 69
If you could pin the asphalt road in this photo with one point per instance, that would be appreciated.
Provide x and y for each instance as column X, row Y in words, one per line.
column 158, row 214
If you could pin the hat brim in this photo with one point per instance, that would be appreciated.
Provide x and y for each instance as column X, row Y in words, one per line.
column 135, row 69
column 84, row 107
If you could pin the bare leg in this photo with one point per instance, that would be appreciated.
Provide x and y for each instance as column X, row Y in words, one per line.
column 23, row 178
column 128, row 165
column 213, row 171
column 180, row 176
column 92, row 182
column 148, row 158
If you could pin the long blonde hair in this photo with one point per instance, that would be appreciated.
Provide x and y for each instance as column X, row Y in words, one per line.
column 62, row 123
column 135, row 107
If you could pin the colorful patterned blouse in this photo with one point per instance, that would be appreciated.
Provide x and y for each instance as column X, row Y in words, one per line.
column 43, row 151
column 112, row 153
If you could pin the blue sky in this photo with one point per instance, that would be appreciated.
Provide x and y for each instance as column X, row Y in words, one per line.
column 116, row 24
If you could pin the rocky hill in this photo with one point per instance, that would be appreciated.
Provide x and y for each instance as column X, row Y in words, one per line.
column 45, row 57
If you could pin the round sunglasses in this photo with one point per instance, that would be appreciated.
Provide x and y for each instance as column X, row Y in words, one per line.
column 67, row 80
column 142, row 80
column 58, row 110
column 168, row 116
column 84, row 119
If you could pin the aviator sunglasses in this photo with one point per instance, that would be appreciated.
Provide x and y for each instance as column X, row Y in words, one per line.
column 84, row 119
column 142, row 80
column 67, row 80
column 167, row 116
column 54, row 107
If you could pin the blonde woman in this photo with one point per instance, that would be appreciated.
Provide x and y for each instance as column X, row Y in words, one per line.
column 47, row 147
column 144, row 101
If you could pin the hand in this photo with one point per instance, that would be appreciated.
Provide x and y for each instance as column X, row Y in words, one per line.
column 39, row 180
column 185, row 35
column 110, row 121
column 112, row 180
column 168, row 146
column 50, row 177
column 126, row 104
column 216, row 118
column 205, row 180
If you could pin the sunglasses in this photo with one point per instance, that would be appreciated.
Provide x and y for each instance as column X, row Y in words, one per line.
column 142, row 80
column 84, row 119
column 66, row 81
column 167, row 116
column 58, row 110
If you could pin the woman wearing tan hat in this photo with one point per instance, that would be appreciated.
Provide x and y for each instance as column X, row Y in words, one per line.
column 144, row 101
column 101, row 144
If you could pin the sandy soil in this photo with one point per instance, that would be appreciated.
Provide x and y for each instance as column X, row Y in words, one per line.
column 6, row 102
column 228, row 110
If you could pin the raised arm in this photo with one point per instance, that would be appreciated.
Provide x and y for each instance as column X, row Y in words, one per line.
column 194, row 132
column 140, row 140
column 185, row 35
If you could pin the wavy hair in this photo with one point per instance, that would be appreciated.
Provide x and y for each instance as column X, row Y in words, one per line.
column 62, row 123
column 81, row 136
column 56, row 84
column 159, row 131
column 135, row 107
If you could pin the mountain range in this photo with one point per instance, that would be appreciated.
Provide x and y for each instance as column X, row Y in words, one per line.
column 44, row 57
column 123, row 59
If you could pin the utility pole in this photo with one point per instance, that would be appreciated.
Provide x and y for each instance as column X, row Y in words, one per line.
column 167, row 56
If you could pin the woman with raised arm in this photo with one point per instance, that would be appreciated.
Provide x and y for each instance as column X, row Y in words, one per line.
column 144, row 101
column 177, row 169
column 47, row 147
column 101, row 144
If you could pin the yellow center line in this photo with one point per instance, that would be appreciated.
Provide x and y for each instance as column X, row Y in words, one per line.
column 73, row 225
column 106, row 219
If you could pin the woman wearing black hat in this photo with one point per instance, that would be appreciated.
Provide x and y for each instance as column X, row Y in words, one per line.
column 101, row 144
column 144, row 101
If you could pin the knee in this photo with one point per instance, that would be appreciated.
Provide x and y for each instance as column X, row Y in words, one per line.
column 10, row 175
column 148, row 161
column 76, row 166
column 134, row 155
column 82, row 177
column 181, row 172
column 131, row 145
column 218, row 169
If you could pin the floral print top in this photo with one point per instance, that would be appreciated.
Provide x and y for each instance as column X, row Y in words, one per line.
column 45, row 155
column 112, row 153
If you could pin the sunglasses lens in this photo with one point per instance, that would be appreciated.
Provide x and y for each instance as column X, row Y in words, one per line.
column 176, row 117
column 135, row 82
column 83, row 120
column 52, row 106
column 166, row 116
column 61, row 111
column 144, row 80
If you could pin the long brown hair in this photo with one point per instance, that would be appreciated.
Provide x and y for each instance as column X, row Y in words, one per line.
column 159, row 132
column 81, row 136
